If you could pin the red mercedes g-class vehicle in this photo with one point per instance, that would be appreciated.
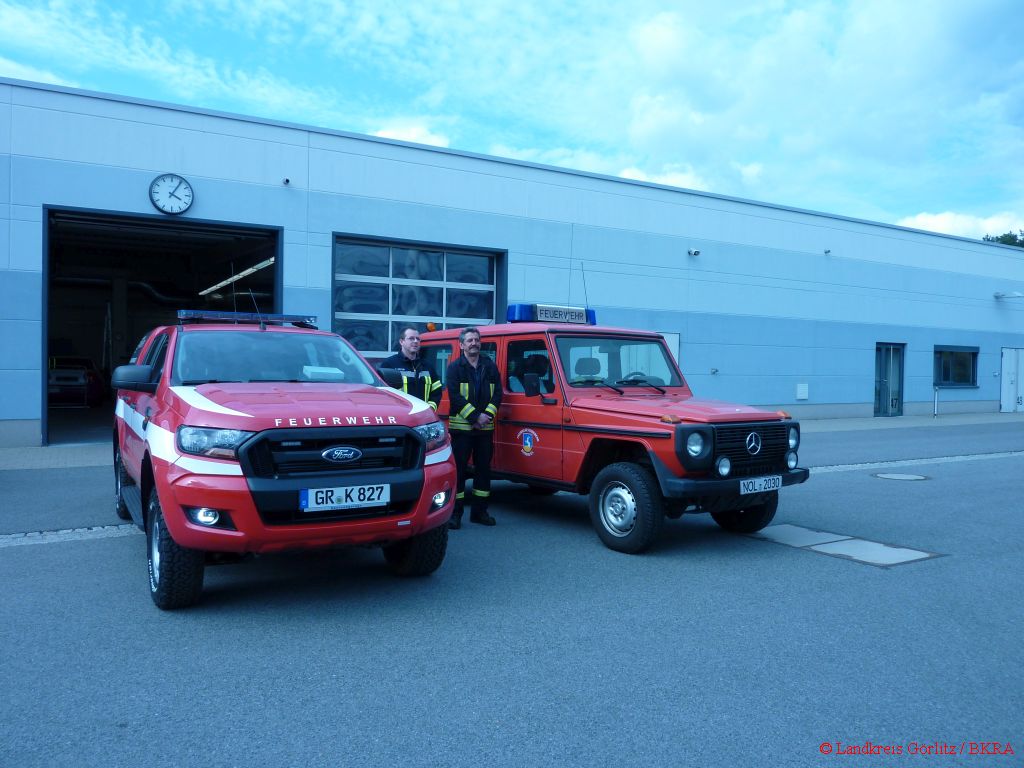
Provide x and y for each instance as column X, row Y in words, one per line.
column 607, row 412
column 238, row 434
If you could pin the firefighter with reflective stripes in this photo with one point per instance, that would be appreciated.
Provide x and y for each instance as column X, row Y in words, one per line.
column 418, row 379
column 474, row 394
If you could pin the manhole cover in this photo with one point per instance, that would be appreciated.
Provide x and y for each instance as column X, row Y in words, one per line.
column 898, row 476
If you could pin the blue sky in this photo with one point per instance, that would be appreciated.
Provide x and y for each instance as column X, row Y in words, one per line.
column 901, row 111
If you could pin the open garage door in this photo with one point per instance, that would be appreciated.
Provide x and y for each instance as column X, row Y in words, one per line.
column 112, row 278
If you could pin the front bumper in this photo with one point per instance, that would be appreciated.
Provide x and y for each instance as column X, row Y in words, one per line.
column 714, row 492
column 233, row 494
column 700, row 488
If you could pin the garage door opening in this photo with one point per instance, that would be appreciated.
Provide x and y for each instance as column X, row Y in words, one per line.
column 112, row 278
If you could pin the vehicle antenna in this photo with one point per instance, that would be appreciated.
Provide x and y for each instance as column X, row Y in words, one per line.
column 572, row 233
column 263, row 324
column 586, row 299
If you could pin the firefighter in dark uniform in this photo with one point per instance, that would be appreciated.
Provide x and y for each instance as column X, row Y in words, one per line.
column 474, row 394
column 418, row 379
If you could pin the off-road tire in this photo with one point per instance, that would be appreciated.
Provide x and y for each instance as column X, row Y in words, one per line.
column 420, row 555
column 175, row 572
column 750, row 519
column 626, row 507
column 121, row 479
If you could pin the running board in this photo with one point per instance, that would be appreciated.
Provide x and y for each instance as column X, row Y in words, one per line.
column 132, row 497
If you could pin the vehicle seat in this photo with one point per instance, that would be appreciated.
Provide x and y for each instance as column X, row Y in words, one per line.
column 515, row 384
column 587, row 366
column 540, row 365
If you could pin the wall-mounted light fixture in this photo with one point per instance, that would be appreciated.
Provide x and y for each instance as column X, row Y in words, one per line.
column 693, row 252
column 1008, row 295
column 828, row 251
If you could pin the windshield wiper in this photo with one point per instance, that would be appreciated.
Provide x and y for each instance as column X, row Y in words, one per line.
column 645, row 382
column 595, row 382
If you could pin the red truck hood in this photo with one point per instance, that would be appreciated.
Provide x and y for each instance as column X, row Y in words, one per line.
column 687, row 408
column 264, row 405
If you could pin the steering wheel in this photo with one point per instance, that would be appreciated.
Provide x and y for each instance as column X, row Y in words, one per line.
column 637, row 374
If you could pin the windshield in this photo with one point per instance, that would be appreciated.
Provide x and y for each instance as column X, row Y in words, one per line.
column 590, row 361
column 204, row 356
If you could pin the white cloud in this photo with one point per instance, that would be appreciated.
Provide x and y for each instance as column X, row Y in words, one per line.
column 416, row 133
column 869, row 109
column 964, row 224
column 560, row 157
column 750, row 172
column 18, row 71
column 672, row 176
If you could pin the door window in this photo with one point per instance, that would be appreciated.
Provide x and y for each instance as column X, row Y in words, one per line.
column 528, row 357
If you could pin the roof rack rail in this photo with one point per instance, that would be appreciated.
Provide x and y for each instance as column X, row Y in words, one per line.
column 208, row 316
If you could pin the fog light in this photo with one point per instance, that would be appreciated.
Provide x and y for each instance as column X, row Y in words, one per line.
column 791, row 460
column 440, row 499
column 724, row 466
column 204, row 516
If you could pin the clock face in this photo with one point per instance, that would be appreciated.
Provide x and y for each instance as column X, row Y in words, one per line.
column 171, row 193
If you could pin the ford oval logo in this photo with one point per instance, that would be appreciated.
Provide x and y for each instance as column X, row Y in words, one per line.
column 342, row 454
column 753, row 443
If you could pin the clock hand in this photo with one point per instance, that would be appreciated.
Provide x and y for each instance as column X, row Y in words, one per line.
column 176, row 188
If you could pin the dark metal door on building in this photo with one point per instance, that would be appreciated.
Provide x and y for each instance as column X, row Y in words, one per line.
column 889, row 379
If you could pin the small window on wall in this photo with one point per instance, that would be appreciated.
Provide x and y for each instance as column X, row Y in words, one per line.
column 956, row 366
column 379, row 288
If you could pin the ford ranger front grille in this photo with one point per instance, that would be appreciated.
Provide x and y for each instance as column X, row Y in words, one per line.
column 300, row 452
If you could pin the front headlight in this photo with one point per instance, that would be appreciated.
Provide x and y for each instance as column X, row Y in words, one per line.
column 794, row 438
column 433, row 434
column 695, row 444
column 216, row 443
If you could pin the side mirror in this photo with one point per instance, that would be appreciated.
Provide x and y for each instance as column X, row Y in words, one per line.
column 134, row 377
column 531, row 384
column 392, row 377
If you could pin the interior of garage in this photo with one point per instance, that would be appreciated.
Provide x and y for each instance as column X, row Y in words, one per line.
column 112, row 278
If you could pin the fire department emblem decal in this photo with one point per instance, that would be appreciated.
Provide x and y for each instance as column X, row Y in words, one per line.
column 528, row 440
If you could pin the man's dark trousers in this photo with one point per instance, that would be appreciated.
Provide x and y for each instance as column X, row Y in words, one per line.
column 478, row 444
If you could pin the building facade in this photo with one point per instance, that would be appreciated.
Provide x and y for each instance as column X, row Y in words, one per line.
column 822, row 315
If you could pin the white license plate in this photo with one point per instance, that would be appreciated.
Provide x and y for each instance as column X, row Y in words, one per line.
column 346, row 497
column 761, row 484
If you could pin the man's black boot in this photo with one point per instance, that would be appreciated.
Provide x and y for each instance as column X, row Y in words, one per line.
column 455, row 522
column 482, row 518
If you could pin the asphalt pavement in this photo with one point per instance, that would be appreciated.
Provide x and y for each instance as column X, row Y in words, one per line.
column 534, row 645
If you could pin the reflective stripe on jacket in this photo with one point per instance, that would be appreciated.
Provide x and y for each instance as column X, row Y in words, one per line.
column 464, row 404
column 417, row 379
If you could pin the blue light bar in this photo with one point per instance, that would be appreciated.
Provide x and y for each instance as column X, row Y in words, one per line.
column 550, row 313
column 205, row 315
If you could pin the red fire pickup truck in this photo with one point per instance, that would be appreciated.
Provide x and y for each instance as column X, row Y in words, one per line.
column 237, row 434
